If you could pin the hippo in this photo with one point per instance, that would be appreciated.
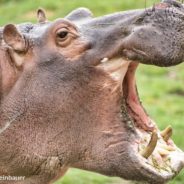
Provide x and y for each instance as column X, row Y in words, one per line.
column 69, row 96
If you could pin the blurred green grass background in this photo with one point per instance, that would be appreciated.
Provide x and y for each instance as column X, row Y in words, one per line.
column 161, row 89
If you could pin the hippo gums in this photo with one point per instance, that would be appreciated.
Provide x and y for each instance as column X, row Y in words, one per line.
column 69, row 97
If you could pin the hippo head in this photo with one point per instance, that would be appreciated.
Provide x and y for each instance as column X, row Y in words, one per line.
column 69, row 98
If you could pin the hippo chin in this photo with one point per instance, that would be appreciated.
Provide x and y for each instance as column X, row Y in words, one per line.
column 69, row 97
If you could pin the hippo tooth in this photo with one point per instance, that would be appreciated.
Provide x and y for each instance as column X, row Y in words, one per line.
column 167, row 147
column 151, row 146
column 167, row 133
column 163, row 152
column 104, row 60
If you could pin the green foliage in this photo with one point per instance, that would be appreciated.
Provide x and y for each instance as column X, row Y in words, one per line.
column 83, row 177
column 161, row 89
column 21, row 10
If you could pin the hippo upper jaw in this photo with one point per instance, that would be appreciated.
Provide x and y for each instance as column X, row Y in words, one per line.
column 148, row 40
column 143, row 36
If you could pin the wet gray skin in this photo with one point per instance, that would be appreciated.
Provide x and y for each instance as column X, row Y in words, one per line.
column 69, row 98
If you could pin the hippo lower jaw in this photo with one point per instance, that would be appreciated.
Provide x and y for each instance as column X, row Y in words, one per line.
column 152, row 153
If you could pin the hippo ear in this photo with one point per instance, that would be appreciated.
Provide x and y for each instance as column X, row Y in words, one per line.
column 79, row 14
column 14, row 38
column 41, row 16
column 17, row 43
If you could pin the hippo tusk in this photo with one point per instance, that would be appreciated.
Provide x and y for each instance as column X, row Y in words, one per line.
column 151, row 146
column 167, row 133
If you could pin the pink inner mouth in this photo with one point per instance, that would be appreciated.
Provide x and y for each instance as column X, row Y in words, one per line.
column 133, row 103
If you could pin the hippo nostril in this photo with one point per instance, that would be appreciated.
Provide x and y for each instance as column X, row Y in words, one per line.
column 139, row 20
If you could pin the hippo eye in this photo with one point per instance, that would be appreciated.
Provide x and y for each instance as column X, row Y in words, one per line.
column 62, row 33
column 64, row 36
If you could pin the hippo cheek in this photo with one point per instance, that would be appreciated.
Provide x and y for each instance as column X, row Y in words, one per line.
column 148, row 153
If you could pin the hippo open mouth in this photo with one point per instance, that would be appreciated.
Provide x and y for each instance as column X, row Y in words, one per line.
column 154, row 148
